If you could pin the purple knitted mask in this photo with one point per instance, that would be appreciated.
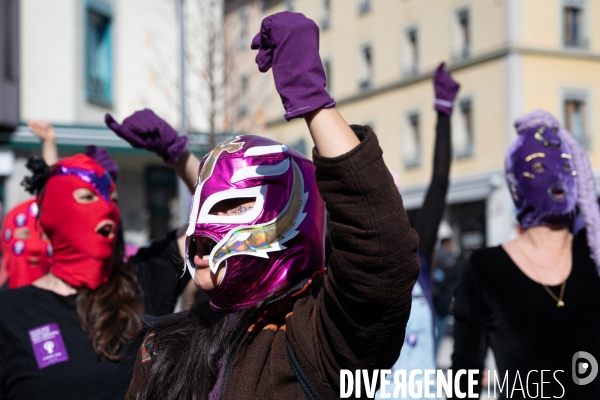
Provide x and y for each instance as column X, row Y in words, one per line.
column 541, row 177
column 279, row 241
column 587, row 200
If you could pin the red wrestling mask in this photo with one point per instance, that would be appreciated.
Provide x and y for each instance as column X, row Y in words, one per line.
column 81, row 220
column 26, row 253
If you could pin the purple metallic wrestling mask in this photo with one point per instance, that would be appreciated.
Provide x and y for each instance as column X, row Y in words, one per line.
column 271, row 247
column 541, row 177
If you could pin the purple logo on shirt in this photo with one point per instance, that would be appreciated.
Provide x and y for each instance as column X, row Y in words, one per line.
column 48, row 345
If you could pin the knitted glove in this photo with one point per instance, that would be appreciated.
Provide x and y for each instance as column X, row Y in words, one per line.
column 145, row 130
column 445, row 90
column 289, row 43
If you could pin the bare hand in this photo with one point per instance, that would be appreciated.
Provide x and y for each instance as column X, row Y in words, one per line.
column 43, row 130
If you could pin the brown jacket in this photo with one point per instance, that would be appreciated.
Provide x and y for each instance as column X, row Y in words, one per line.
column 353, row 318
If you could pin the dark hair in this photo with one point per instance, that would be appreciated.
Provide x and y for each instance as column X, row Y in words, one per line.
column 35, row 183
column 110, row 314
column 189, row 349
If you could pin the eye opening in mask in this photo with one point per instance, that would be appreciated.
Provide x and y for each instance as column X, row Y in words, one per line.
column 567, row 167
column 233, row 206
column 538, row 167
column 85, row 196
column 22, row 233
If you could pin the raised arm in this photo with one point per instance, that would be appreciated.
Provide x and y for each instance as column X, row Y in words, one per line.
column 145, row 130
column 432, row 210
column 45, row 132
column 356, row 315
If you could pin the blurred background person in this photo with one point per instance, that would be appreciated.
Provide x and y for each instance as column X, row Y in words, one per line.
column 83, row 316
column 529, row 298
column 445, row 278
column 26, row 250
column 419, row 347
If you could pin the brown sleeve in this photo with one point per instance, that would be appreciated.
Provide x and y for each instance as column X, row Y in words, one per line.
column 140, row 372
column 357, row 315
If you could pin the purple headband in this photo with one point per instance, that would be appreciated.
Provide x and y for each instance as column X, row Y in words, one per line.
column 101, row 183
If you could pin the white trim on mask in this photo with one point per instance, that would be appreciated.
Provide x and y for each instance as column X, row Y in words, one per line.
column 258, row 171
column 257, row 192
column 189, row 263
column 195, row 206
column 263, row 150
column 242, row 232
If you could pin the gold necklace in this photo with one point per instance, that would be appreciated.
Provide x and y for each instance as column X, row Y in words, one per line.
column 559, row 300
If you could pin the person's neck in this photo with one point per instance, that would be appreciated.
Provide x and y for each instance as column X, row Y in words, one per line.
column 547, row 237
column 54, row 284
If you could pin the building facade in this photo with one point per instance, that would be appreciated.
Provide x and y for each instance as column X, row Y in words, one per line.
column 81, row 59
column 510, row 57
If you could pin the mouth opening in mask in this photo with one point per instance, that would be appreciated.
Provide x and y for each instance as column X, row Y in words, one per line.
column 558, row 192
column 106, row 229
column 206, row 246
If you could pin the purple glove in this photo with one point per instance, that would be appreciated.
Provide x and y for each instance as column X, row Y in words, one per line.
column 145, row 130
column 103, row 158
column 445, row 90
column 289, row 43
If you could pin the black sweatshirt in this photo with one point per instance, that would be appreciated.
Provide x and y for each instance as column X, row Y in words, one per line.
column 26, row 312
column 355, row 316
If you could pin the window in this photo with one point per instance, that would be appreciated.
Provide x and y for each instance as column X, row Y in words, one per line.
column 462, row 129
column 575, row 108
column 364, row 7
column 244, row 17
column 365, row 66
column 462, row 34
column 412, row 140
column 412, row 51
column 98, row 77
column 243, row 97
column 327, row 68
column 573, row 23
column 325, row 14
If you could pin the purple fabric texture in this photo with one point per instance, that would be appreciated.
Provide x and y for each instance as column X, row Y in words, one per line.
column 540, row 179
column 103, row 184
column 145, row 130
column 271, row 247
column 445, row 88
column 101, row 155
column 289, row 43
column 586, row 187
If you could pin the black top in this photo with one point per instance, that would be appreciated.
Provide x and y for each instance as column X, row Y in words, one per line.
column 161, row 273
column 432, row 210
column 497, row 304
column 81, row 376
